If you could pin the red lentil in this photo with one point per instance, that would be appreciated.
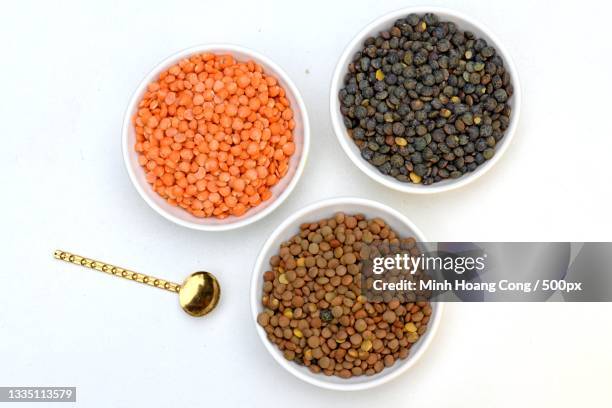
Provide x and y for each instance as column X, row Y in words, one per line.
column 214, row 134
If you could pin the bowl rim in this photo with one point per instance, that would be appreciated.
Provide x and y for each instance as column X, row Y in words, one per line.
column 321, row 380
column 175, row 57
column 367, row 168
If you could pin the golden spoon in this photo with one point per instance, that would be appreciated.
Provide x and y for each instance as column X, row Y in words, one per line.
column 198, row 295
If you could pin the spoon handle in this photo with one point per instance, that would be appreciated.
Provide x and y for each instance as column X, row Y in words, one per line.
column 117, row 271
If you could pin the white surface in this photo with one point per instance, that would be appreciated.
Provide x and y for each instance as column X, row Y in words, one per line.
column 67, row 75
column 280, row 191
column 287, row 229
column 466, row 23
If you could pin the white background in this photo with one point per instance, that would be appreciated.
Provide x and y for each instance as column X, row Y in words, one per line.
column 67, row 73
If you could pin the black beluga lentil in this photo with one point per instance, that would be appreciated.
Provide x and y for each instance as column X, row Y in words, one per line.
column 425, row 101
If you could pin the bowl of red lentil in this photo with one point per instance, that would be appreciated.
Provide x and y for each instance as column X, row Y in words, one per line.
column 309, row 311
column 215, row 137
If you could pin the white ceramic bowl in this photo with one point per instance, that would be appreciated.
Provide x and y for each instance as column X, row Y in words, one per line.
column 315, row 212
column 463, row 23
column 279, row 192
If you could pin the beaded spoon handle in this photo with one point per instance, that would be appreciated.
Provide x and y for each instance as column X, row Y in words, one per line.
column 198, row 295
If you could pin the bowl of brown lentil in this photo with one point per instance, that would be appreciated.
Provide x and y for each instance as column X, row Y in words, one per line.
column 215, row 137
column 307, row 305
column 425, row 100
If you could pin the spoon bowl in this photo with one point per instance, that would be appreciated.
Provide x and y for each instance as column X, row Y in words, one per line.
column 199, row 293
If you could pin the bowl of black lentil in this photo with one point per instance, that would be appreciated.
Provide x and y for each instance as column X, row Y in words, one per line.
column 307, row 303
column 425, row 100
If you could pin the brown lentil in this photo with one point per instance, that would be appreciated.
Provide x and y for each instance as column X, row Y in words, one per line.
column 314, row 311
